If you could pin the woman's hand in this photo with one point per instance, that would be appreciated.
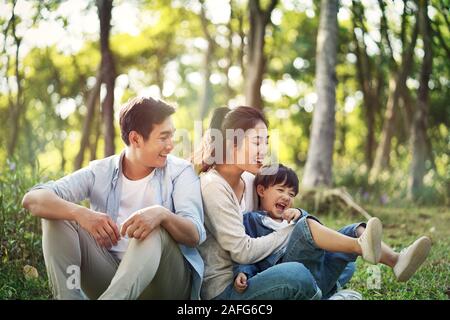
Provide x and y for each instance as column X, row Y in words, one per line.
column 291, row 214
column 240, row 282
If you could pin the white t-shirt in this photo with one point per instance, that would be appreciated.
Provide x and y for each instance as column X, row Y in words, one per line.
column 135, row 195
column 248, row 197
column 273, row 224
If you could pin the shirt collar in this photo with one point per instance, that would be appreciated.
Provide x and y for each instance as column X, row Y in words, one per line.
column 118, row 165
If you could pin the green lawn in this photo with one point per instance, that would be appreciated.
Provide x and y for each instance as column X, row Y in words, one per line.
column 401, row 227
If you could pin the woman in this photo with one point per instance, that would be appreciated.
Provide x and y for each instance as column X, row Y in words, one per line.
column 228, row 192
column 240, row 145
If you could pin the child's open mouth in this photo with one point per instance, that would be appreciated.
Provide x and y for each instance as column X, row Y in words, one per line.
column 280, row 206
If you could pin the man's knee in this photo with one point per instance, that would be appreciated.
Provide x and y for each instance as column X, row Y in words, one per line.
column 158, row 234
column 55, row 226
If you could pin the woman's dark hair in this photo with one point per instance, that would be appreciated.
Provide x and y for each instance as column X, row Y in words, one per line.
column 284, row 176
column 223, row 119
column 239, row 118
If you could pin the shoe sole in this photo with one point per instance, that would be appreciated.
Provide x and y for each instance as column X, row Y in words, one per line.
column 422, row 249
column 346, row 294
column 374, row 236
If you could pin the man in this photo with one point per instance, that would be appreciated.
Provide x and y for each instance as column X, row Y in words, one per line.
column 138, row 238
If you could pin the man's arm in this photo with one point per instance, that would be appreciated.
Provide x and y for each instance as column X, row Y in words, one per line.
column 181, row 229
column 55, row 201
column 46, row 204
column 141, row 223
column 185, row 225
column 187, row 222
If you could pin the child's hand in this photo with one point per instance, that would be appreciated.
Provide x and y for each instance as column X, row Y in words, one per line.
column 240, row 283
column 291, row 214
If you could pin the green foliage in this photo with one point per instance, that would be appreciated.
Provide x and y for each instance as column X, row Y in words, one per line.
column 170, row 45
column 391, row 187
column 20, row 236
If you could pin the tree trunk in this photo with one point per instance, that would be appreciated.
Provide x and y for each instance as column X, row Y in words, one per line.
column 159, row 78
column 419, row 128
column 259, row 19
column 17, row 107
column 108, row 74
column 395, row 89
column 241, row 32
column 318, row 168
column 207, row 93
column 87, row 124
column 95, row 135
column 228, row 89
column 368, row 84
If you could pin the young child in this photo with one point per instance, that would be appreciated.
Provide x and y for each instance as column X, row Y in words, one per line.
column 323, row 251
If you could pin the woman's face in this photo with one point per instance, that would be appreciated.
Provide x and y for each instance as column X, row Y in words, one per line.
column 250, row 153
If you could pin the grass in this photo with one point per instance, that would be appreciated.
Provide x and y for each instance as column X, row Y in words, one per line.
column 20, row 245
column 402, row 225
column 14, row 285
column 20, row 238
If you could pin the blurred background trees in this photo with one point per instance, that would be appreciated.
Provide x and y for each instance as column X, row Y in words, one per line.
column 358, row 89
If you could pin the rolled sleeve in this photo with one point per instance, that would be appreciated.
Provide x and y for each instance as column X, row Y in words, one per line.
column 74, row 187
column 187, row 199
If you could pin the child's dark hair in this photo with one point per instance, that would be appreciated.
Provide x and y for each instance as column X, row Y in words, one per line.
column 284, row 176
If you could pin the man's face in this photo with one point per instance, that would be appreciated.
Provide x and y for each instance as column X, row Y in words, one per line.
column 153, row 152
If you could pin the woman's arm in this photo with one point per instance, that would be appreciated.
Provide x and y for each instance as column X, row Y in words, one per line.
column 226, row 224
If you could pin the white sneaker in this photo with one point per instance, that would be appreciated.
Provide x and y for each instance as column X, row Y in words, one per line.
column 411, row 258
column 346, row 294
column 370, row 241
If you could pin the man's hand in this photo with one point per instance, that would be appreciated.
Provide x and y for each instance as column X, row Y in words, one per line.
column 100, row 226
column 142, row 222
column 240, row 283
column 291, row 214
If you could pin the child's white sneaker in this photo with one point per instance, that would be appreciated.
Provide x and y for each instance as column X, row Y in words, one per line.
column 370, row 241
column 411, row 258
column 346, row 294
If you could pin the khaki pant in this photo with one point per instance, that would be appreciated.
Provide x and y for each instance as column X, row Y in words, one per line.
column 153, row 268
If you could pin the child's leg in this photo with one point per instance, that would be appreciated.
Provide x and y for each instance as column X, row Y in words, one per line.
column 388, row 256
column 408, row 261
column 367, row 245
column 347, row 274
column 302, row 248
column 331, row 240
